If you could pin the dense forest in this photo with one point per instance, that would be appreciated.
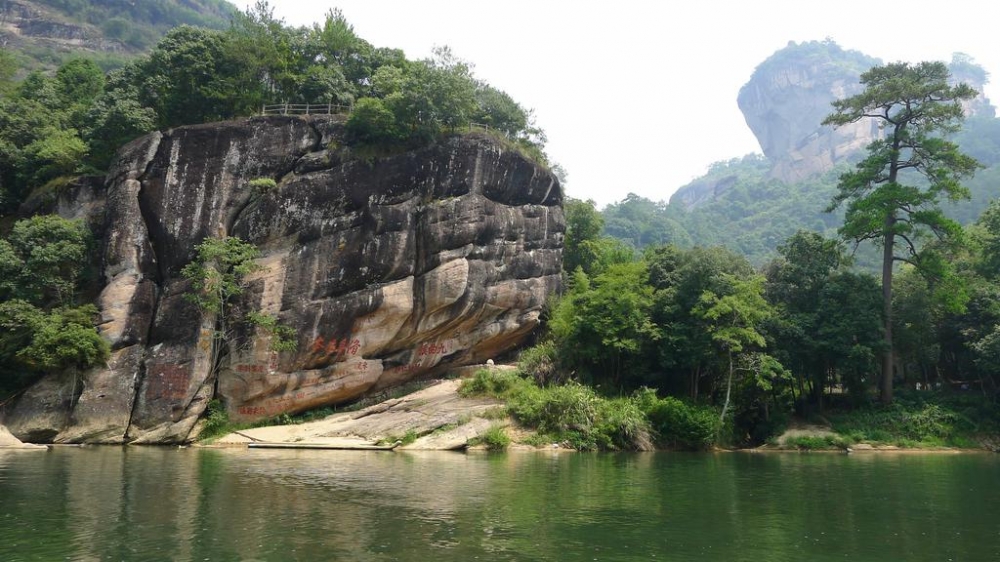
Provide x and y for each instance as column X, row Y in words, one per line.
column 800, row 336
column 763, row 305
column 714, row 324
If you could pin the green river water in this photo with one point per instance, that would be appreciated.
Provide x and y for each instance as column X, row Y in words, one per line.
column 142, row 503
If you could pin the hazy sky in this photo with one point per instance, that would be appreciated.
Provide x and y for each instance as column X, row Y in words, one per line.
column 640, row 96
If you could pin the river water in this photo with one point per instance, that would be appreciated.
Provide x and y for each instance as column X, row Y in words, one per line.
column 148, row 504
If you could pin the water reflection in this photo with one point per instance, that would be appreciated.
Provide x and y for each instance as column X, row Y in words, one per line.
column 167, row 504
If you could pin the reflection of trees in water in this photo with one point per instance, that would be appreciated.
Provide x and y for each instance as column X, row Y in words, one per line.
column 167, row 504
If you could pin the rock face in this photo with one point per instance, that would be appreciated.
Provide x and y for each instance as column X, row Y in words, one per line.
column 788, row 97
column 388, row 269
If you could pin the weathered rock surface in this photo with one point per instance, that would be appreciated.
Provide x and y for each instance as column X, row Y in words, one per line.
column 391, row 269
column 8, row 441
column 788, row 97
column 437, row 414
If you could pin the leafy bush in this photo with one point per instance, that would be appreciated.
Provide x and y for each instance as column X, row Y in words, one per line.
column 371, row 122
column 495, row 383
column 216, row 421
column 539, row 362
column 495, row 438
column 678, row 424
column 924, row 419
column 263, row 185
column 407, row 438
column 622, row 425
column 816, row 443
column 555, row 410
column 569, row 413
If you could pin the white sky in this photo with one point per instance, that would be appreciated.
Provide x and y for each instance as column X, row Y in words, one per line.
column 640, row 96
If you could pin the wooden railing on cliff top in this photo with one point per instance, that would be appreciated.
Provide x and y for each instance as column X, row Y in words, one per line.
column 305, row 109
column 341, row 109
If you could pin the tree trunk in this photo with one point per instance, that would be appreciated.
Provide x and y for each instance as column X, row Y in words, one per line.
column 887, row 254
column 729, row 388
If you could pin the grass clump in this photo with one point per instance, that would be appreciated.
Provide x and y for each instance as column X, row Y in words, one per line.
column 263, row 185
column 407, row 438
column 494, row 439
column 918, row 419
column 816, row 442
column 497, row 413
column 495, row 383
column 217, row 423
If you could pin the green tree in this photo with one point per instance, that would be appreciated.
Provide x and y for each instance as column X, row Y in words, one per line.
column 41, row 262
column 372, row 123
column 680, row 278
column 849, row 332
column 116, row 117
column 336, row 42
column 795, row 281
column 583, row 229
column 186, row 78
column 78, row 82
column 986, row 233
column 913, row 105
column 603, row 326
column 57, row 152
column 262, row 59
column 42, row 259
column 65, row 338
column 428, row 96
column 734, row 316
column 8, row 67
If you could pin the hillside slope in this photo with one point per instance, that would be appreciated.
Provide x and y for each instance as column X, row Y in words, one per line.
column 44, row 33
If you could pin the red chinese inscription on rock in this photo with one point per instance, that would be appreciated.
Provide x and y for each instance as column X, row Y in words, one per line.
column 167, row 381
column 343, row 347
column 426, row 349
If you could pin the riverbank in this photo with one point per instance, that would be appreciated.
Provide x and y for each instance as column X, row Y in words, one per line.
column 434, row 418
column 497, row 409
column 800, row 436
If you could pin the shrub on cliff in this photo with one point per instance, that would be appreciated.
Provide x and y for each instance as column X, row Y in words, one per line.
column 371, row 122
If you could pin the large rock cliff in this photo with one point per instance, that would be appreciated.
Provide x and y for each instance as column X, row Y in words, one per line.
column 388, row 269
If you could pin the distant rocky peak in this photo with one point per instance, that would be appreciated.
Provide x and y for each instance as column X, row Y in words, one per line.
column 963, row 68
column 789, row 95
